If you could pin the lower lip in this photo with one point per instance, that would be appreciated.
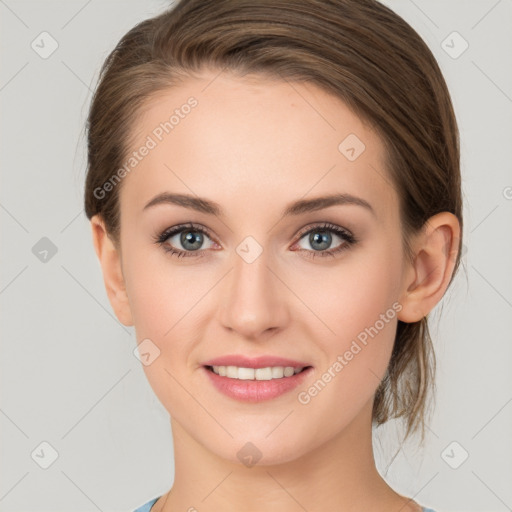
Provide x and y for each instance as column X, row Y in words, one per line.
column 256, row 390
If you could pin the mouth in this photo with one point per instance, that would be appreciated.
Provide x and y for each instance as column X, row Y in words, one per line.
column 256, row 384
column 266, row 373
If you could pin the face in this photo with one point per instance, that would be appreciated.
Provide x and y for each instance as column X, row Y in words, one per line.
column 318, row 284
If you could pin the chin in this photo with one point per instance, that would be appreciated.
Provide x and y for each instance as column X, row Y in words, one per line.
column 258, row 450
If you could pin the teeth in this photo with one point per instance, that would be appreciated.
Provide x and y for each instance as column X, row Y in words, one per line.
column 268, row 373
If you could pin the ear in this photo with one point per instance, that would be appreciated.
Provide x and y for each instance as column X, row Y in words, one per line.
column 427, row 279
column 110, row 260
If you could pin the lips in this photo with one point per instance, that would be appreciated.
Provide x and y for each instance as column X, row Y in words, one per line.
column 256, row 390
column 254, row 362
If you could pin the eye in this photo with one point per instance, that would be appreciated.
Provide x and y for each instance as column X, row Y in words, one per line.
column 320, row 237
column 189, row 236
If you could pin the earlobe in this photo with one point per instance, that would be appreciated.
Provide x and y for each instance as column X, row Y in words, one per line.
column 110, row 260
column 428, row 278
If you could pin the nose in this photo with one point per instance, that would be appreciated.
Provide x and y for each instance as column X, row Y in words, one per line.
column 254, row 298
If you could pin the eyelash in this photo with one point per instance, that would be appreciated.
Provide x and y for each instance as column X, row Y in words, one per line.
column 347, row 237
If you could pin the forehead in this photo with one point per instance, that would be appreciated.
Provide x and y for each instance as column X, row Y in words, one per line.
column 251, row 142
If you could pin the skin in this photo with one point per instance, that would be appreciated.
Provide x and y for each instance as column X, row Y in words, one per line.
column 254, row 146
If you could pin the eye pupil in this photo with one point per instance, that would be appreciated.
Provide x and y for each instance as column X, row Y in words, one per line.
column 189, row 237
column 322, row 237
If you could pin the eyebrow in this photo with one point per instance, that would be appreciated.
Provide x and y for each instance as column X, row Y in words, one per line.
column 299, row 207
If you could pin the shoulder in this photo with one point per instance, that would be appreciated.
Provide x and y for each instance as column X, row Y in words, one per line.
column 147, row 506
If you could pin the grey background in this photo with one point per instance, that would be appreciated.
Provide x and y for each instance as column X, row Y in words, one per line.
column 68, row 373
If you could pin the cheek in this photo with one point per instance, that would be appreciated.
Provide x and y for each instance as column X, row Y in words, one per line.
column 355, row 321
column 158, row 292
column 164, row 304
column 352, row 296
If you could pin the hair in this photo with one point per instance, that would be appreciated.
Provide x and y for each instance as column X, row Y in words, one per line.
column 357, row 50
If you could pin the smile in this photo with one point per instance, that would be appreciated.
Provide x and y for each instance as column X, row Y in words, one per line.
column 256, row 384
column 267, row 373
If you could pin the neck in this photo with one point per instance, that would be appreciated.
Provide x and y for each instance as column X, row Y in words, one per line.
column 337, row 475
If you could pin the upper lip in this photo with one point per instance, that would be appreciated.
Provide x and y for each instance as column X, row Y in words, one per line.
column 253, row 362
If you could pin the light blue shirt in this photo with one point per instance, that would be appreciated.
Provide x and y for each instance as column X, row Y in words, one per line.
column 147, row 506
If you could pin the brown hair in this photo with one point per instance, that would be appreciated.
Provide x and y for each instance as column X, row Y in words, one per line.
column 358, row 50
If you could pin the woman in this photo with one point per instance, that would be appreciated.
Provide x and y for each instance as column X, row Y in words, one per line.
column 274, row 196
